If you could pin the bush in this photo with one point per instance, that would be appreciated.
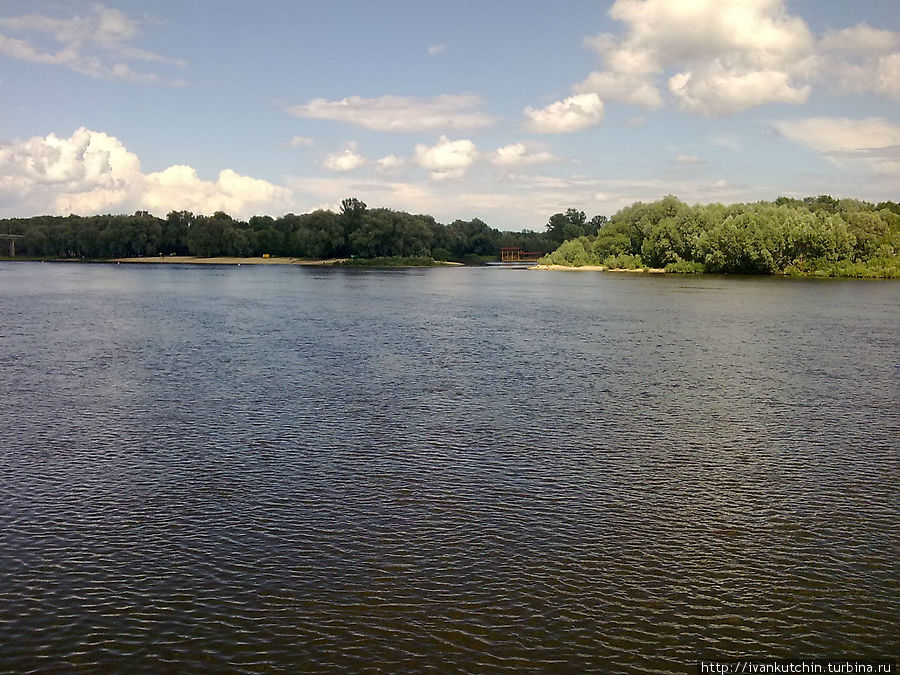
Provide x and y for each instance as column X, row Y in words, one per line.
column 624, row 262
column 572, row 253
column 876, row 268
column 686, row 267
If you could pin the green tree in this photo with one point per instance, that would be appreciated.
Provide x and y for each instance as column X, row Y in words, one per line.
column 318, row 235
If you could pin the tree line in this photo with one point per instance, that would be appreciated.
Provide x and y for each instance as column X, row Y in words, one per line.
column 816, row 235
column 354, row 231
column 819, row 236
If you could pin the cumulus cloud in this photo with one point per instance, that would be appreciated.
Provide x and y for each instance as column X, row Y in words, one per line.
column 399, row 113
column 86, row 160
column 727, row 55
column 180, row 188
column 446, row 159
column 871, row 143
column 517, row 154
column 861, row 60
column 572, row 114
column 718, row 57
column 719, row 91
column 434, row 50
column 92, row 172
column 96, row 44
column 346, row 160
column 622, row 87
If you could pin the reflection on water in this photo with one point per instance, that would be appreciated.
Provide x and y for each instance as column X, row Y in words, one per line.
column 464, row 469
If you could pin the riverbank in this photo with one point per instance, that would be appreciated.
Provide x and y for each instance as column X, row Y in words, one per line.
column 225, row 260
column 598, row 268
column 841, row 270
column 327, row 262
column 391, row 261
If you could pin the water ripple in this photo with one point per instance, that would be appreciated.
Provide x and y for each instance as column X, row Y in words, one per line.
column 449, row 470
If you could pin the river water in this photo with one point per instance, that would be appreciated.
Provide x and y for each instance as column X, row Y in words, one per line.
column 465, row 470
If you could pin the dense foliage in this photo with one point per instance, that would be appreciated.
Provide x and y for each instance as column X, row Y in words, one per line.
column 355, row 231
column 821, row 236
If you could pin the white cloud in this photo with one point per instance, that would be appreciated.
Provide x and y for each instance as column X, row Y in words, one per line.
column 389, row 163
column 861, row 39
column 861, row 60
column 92, row 172
column 871, row 144
column 757, row 33
column 519, row 201
column 687, row 159
column 717, row 91
column 180, row 188
column 621, row 87
column 301, row 142
column 346, row 160
column 86, row 160
column 434, row 50
column 515, row 200
column 572, row 114
column 719, row 57
column 376, row 192
column 398, row 113
column 517, row 154
column 446, row 159
column 96, row 44
column 841, row 134
column 887, row 72
column 728, row 54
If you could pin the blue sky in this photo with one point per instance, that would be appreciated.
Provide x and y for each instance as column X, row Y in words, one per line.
column 506, row 110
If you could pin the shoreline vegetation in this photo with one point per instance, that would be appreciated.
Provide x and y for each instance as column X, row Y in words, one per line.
column 813, row 237
column 597, row 268
column 391, row 261
column 354, row 236
column 219, row 260
column 305, row 262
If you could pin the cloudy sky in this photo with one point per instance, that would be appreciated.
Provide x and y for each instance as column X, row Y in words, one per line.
column 508, row 110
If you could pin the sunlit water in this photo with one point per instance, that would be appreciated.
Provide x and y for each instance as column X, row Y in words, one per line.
column 465, row 470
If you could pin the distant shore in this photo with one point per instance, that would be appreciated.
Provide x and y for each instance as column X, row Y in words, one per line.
column 225, row 260
column 598, row 268
column 326, row 262
column 386, row 261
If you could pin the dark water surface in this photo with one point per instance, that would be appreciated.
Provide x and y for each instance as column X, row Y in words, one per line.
column 465, row 470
